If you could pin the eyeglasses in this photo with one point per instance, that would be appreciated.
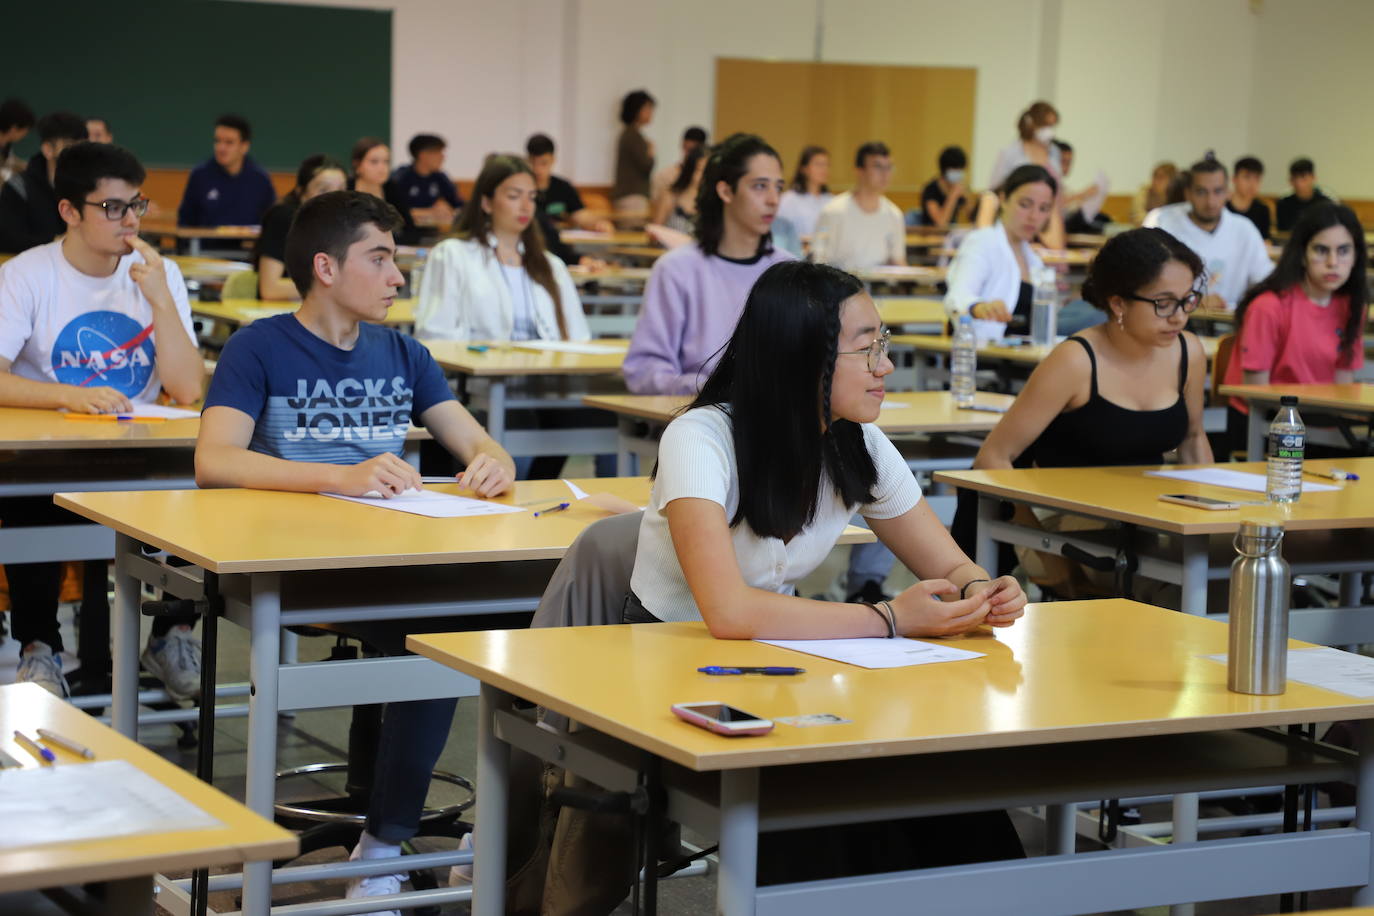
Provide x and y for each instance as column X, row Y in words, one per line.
column 1168, row 306
column 875, row 351
column 115, row 209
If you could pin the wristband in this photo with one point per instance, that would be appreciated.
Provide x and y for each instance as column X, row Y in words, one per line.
column 963, row 592
column 887, row 621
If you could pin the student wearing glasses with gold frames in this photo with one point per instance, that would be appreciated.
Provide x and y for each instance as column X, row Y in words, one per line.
column 94, row 323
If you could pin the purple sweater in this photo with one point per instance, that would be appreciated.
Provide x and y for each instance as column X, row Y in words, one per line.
column 692, row 303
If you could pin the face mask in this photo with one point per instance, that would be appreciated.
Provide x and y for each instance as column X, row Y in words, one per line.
column 1044, row 134
column 954, row 176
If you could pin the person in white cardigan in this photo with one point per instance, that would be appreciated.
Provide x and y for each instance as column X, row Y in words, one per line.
column 494, row 280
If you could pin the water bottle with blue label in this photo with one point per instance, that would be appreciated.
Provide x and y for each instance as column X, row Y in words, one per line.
column 1287, row 440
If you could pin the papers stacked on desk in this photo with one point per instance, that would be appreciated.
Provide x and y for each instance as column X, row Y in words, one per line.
column 875, row 652
column 1236, row 480
column 431, row 503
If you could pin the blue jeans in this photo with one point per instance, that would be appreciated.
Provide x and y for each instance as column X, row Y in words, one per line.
column 411, row 740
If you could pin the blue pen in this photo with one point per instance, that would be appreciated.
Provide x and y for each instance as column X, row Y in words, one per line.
column 772, row 671
column 33, row 747
column 558, row 508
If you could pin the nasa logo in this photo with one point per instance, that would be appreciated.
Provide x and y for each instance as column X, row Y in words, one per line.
column 105, row 349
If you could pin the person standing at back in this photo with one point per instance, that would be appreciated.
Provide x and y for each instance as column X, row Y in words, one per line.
column 634, row 154
column 862, row 228
column 228, row 189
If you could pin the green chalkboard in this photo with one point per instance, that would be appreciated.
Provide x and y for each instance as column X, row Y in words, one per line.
column 309, row 79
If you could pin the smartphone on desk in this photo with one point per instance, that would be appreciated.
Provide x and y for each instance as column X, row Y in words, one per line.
column 1199, row 502
column 722, row 719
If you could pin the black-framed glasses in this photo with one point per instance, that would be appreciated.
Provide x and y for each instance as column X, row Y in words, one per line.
column 115, row 209
column 874, row 351
column 1168, row 306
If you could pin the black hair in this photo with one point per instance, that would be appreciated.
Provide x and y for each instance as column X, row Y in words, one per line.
column 1207, row 165
column 688, row 170
column 305, row 173
column 423, row 142
column 799, row 177
column 871, row 148
column 1131, row 261
column 1028, row 174
column 1301, row 166
column 61, row 125
column 631, row 105
column 81, row 166
column 1291, row 268
column 15, row 113
column 330, row 223
column 539, row 145
column 238, row 123
column 694, row 134
column 779, row 361
column 728, row 162
column 1248, row 164
column 952, row 157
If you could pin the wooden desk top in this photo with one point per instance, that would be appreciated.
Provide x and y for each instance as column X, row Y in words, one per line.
column 1030, row 354
column 169, row 227
column 1126, row 494
column 241, row 531
column 505, row 359
column 899, row 310
column 1073, row 257
column 1355, row 396
column 243, row 836
column 23, row 429
column 243, row 312
column 924, row 411
column 615, row 273
column 198, row 268
column 582, row 238
column 906, row 274
column 1068, row 671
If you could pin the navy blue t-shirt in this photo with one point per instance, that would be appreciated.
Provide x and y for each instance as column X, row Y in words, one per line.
column 423, row 190
column 213, row 197
column 311, row 401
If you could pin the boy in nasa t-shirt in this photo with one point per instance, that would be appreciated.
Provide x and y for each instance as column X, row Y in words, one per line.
column 92, row 323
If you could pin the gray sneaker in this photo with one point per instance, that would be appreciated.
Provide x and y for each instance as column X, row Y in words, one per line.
column 174, row 659
column 38, row 664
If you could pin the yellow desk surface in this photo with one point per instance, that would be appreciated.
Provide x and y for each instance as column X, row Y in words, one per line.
column 243, row 837
column 613, row 274
column 923, row 411
column 1061, row 674
column 1029, row 355
column 907, row 274
column 899, row 310
column 504, row 358
column 198, row 268
column 1126, row 494
column 246, row 311
column 168, row 227
column 580, row 238
column 23, row 429
column 1072, row 257
column 1355, row 397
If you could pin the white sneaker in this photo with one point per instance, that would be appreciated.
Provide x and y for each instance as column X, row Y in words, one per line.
column 373, row 885
column 461, row 875
column 174, row 659
column 38, row 664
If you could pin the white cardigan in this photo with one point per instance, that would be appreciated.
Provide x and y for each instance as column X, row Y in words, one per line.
column 985, row 269
column 464, row 296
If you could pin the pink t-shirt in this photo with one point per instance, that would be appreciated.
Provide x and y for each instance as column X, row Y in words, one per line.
column 1295, row 340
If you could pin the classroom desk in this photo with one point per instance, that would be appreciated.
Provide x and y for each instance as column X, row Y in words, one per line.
column 127, row 862
column 893, row 274
column 241, row 312
column 1061, row 708
column 1070, row 257
column 613, row 273
column 215, row 270
column 583, row 238
column 1354, row 398
column 912, row 312
column 195, row 236
column 504, row 362
column 1326, row 532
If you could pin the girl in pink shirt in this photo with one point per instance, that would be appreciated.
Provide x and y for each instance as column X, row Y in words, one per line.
column 1304, row 325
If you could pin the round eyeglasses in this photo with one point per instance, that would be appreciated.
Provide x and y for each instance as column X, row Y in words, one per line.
column 875, row 351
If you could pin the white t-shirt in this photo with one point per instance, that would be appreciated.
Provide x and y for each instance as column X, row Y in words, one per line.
column 803, row 210
column 696, row 458
column 851, row 238
column 60, row 325
column 1233, row 253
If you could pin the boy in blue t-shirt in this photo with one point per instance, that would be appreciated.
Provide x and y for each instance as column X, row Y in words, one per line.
column 320, row 400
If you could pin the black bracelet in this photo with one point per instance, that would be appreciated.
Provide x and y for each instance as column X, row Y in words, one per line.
column 963, row 592
column 887, row 621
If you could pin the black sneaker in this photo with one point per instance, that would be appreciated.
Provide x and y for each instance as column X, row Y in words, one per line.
column 871, row 592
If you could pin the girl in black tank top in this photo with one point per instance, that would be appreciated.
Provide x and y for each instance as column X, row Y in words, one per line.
column 1101, row 433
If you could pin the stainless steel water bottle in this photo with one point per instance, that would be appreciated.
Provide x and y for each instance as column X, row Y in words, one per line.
column 1260, row 589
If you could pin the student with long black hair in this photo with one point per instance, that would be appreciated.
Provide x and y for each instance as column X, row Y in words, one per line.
column 1304, row 323
column 317, row 174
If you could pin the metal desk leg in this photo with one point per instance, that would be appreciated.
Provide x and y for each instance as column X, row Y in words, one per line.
column 1255, row 433
column 1061, row 830
column 1194, row 600
column 496, row 410
column 264, row 657
column 985, row 552
column 1364, row 800
column 1185, row 831
column 124, row 712
column 739, row 842
column 493, row 786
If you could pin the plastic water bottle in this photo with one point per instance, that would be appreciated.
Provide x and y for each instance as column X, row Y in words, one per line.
column 1287, row 439
column 1044, row 307
column 963, row 362
column 417, row 272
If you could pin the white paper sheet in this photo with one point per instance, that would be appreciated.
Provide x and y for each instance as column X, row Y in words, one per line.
column 432, row 503
column 1236, row 480
column 876, row 653
column 167, row 413
column 1331, row 669
column 567, row 346
column 577, row 492
column 86, row 801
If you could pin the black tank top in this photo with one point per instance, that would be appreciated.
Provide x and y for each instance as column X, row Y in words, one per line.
column 1103, row 434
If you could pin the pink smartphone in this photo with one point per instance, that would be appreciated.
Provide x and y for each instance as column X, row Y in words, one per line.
column 722, row 719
